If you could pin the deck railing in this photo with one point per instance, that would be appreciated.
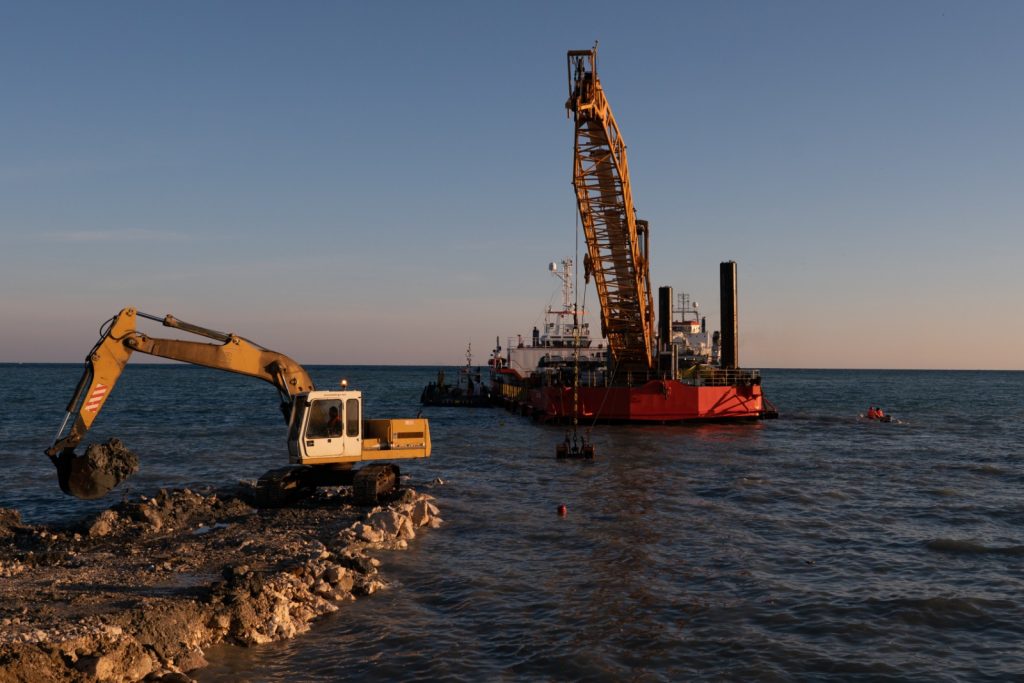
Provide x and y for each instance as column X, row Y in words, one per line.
column 699, row 376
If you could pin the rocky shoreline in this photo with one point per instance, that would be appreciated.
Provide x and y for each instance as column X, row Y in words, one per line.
column 142, row 589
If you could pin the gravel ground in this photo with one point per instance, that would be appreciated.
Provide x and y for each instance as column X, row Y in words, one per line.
column 139, row 591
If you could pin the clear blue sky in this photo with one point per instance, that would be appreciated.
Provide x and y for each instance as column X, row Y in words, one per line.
column 385, row 182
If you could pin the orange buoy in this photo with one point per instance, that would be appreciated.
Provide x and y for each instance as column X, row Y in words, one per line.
column 562, row 511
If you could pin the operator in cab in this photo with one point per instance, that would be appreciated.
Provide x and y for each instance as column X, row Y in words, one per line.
column 334, row 426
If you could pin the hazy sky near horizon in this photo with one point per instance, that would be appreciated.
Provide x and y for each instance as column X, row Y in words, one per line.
column 363, row 183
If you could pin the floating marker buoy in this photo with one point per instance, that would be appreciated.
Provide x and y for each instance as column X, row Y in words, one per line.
column 562, row 511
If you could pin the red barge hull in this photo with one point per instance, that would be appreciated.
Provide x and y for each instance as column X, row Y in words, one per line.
column 655, row 401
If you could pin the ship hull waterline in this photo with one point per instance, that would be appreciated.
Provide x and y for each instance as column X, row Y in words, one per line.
column 657, row 401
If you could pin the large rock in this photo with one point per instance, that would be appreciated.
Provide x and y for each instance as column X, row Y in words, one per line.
column 422, row 512
column 367, row 533
column 10, row 520
column 393, row 524
column 125, row 661
column 340, row 578
column 103, row 524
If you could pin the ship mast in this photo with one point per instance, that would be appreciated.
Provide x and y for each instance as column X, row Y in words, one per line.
column 565, row 275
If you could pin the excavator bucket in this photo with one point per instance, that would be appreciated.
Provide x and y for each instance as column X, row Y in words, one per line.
column 97, row 471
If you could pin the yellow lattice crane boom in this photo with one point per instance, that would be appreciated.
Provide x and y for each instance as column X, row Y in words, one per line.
column 617, row 241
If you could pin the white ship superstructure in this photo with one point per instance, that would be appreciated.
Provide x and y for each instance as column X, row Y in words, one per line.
column 694, row 344
column 562, row 335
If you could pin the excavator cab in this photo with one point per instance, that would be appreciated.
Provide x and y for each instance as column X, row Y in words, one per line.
column 326, row 427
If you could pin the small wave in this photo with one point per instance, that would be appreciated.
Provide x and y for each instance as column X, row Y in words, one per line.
column 821, row 419
column 962, row 547
column 987, row 469
column 974, row 467
column 948, row 611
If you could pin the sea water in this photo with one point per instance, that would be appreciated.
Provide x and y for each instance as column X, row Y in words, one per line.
column 818, row 545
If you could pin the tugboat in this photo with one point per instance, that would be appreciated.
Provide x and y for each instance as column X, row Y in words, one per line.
column 469, row 390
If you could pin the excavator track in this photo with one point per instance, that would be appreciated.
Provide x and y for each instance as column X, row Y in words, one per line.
column 283, row 486
column 373, row 482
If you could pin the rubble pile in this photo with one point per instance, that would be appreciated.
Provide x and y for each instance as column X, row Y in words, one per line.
column 141, row 590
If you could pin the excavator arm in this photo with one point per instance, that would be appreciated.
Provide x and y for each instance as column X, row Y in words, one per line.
column 118, row 340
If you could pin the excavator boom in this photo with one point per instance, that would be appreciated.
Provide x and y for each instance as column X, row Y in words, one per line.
column 616, row 254
column 105, row 363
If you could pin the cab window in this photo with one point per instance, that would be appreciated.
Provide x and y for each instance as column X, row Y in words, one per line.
column 298, row 415
column 352, row 417
column 325, row 419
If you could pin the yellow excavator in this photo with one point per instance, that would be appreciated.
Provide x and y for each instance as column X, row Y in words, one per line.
column 327, row 434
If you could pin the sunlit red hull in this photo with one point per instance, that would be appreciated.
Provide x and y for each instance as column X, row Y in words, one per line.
column 655, row 401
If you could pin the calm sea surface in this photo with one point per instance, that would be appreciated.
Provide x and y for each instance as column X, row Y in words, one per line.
column 814, row 546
